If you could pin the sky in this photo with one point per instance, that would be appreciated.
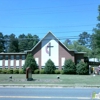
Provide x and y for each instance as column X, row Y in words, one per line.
column 64, row 18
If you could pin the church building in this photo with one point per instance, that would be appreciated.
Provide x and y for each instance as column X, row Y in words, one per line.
column 48, row 48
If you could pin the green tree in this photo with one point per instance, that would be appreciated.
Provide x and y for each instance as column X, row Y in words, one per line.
column 23, row 43
column 69, row 67
column 1, row 42
column 75, row 45
column 30, row 62
column 84, row 39
column 49, row 67
column 6, row 42
column 82, row 68
column 95, row 43
column 27, row 42
column 13, row 45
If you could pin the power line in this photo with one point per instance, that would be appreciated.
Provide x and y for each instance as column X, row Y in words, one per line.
column 34, row 8
column 56, row 31
column 22, row 39
column 49, row 12
column 47, row 26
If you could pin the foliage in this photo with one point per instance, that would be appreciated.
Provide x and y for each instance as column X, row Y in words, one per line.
column 68, row 43
column 27, row 42
column 36, row 71
column 13, row 45
column 4, row 71
column 99, row 13
column 61, row 71
column 69, row 67
column 95, row 40
column 84, row 39
column 1, row 42
column 21, row 71
column 42, row 71
column 9, row 71
column 30, row 62
column 0, row 71
column 16, row 71
column 49, row 67
column 57, row 71
column 82, row 68
column 75, row 45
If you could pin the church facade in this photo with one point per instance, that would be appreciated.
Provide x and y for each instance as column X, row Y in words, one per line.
column 48, row 48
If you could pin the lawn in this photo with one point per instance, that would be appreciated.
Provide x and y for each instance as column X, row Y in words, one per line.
column 51, row 79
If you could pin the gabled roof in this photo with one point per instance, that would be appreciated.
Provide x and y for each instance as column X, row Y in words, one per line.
column 44, row 38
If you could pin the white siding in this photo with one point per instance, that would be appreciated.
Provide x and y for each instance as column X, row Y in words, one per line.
column 6, row 62
column 37, row 60
column 11, row 62
column 23, row 61
column 62, row 61
column 1, row 61
column 54, row 50
column 17, row 62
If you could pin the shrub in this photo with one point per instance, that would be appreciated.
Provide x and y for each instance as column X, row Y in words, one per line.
column 30, row 62
column 69, row 67
column 9, row 71
column 0, row 71
column 4, row 71
column 61, row 72
column 42, row 71
column 82, row 68
column 15, row 71
column 36, row 71
column 57, row 71
column 21, row 71
column 49, row 67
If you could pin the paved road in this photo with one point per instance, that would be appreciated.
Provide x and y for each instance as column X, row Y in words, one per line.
column 47, row 93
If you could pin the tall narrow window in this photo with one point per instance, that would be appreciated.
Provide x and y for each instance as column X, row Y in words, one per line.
column 1, row 57
column 17, row 57
column 12, row 57
column 23, row 57
column 6, row 57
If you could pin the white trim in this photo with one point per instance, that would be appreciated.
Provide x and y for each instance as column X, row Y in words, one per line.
column 1, row 62
column 37, row 60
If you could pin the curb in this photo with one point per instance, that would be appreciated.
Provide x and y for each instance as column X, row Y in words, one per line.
column 47, row 86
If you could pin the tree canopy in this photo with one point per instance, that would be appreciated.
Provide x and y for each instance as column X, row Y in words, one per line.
column 11, row 43
column 30, row 62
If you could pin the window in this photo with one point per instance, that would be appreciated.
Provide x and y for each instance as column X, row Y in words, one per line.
column 17, row 67
column 12, row 57
column 11, row 67
column 6, row 57
column 6, row 67
column 78, row 60
column 1, row 57
column 1, row 63
column 23, row 57
column 17, row 57
column 62, row 61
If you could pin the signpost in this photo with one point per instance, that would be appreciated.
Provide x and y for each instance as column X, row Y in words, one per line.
column 29, row 74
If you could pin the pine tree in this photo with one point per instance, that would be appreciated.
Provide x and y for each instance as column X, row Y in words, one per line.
column 1, row 42
column 69, row 67
column 30, row 62
column 49, row 67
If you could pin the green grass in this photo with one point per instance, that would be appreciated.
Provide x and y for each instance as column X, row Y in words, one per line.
column 47, row 79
